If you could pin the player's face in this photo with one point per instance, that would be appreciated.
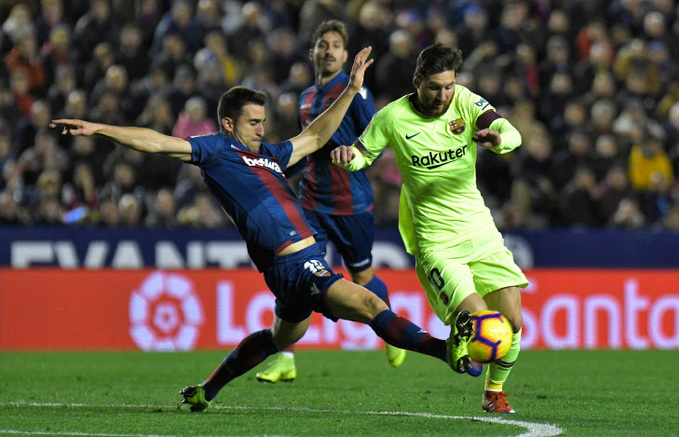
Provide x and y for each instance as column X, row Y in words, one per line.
column 249, row 127
column 329, row 54
column 435, row 92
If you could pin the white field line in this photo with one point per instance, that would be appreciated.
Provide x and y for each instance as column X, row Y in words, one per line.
column 532, row 429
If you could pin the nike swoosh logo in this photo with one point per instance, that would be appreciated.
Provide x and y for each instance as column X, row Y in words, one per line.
column 412, row 136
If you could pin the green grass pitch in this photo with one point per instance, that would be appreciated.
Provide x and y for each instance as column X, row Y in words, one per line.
column 338, row 393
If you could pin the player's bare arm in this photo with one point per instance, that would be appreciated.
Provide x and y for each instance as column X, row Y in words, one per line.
column 136, row 138
column 342, row 155
column 321, row 129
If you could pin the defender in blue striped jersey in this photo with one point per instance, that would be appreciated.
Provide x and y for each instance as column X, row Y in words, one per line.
column 336, row 202
column 246, row 176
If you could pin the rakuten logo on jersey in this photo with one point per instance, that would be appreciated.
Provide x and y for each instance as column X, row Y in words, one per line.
column 262, row 162
column 438, row 159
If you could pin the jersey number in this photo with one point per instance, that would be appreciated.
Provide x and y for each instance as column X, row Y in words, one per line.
column 436, row 279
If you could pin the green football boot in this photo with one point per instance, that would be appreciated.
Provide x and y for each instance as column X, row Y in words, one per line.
column 281, row 368
column 194, row 395
column 395, row 355
column 456, row 345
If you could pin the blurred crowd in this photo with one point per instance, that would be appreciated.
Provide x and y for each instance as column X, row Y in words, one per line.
column 592, row 86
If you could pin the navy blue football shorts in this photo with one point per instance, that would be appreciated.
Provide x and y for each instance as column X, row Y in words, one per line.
column 352, row 235
column 300, row 281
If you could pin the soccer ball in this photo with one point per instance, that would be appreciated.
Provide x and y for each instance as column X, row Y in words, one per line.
column 491, row 336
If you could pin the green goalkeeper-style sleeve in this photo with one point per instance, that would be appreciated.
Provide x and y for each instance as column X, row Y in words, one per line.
column 511, row 138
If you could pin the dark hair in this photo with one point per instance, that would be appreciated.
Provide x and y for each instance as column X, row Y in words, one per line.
column 231, row 103
column 330, row 26
column 436, row 59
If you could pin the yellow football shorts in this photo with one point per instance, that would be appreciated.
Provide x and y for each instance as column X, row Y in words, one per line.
column 480, row 265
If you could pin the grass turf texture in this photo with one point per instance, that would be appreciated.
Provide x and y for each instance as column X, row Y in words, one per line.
column 584, row 393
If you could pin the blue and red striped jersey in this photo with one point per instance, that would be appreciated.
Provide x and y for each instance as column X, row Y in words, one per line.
column 325, row 187
column 254, row 192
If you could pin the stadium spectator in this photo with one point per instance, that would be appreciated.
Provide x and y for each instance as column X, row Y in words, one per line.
column 25, row 57
column 606, row 154
column 157, row 114
column 173, row 55
column 394, row 70
column 207, row 20
column 371, row 29
column 65, row 82
column 472, row 32
column 28, row 126
column 121, row 180
column 614, row 187
column 51, row 16
column 9, row 210
column 95, row 27
column 557, row 60
column 299, row 78
column 115, row 81
column 57, row 53
column 670, row 222
column 194, row 120
column 202, row 213
column 153, row 86
column 81, row 191
column 252, row 28
column 578, row 203
column 18, row 23
column 628, row 215
column 102, row 57
column 131, row 53
column 649, row 164
column 285, row 119
column 216, row 53
column 163, row 213
column 130, row 211
column 107, row 215
column 566, row 161
column 44, row 155
column 20, row 94
column 284, row 52
column 533, row 194
column 179, row 21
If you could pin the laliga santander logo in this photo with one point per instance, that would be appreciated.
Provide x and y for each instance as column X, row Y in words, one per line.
column 165, row 313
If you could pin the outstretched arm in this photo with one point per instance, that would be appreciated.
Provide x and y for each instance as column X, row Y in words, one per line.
column 322, row 128
column 137, row 138
column 505, row 139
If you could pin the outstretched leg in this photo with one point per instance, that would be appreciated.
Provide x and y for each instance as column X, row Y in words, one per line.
column 251, row 351
column 349, row 301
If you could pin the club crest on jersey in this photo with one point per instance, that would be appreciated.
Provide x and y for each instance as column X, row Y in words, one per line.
column 457, row 126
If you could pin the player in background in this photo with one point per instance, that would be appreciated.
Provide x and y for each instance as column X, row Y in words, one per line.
column 337, row 203
column 246, row 176
column 461, row 259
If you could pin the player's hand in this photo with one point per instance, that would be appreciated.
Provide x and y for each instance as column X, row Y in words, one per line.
column 361, row 62
column 342, row 155
column 74, row 127
column 487, row 138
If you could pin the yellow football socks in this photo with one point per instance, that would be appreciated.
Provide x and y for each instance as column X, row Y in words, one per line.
column 499, row 371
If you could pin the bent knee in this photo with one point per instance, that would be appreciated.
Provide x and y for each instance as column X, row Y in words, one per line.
column 373, row 305
column 515, row 319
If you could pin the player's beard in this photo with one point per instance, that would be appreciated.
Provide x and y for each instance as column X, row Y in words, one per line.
column 434, row 110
